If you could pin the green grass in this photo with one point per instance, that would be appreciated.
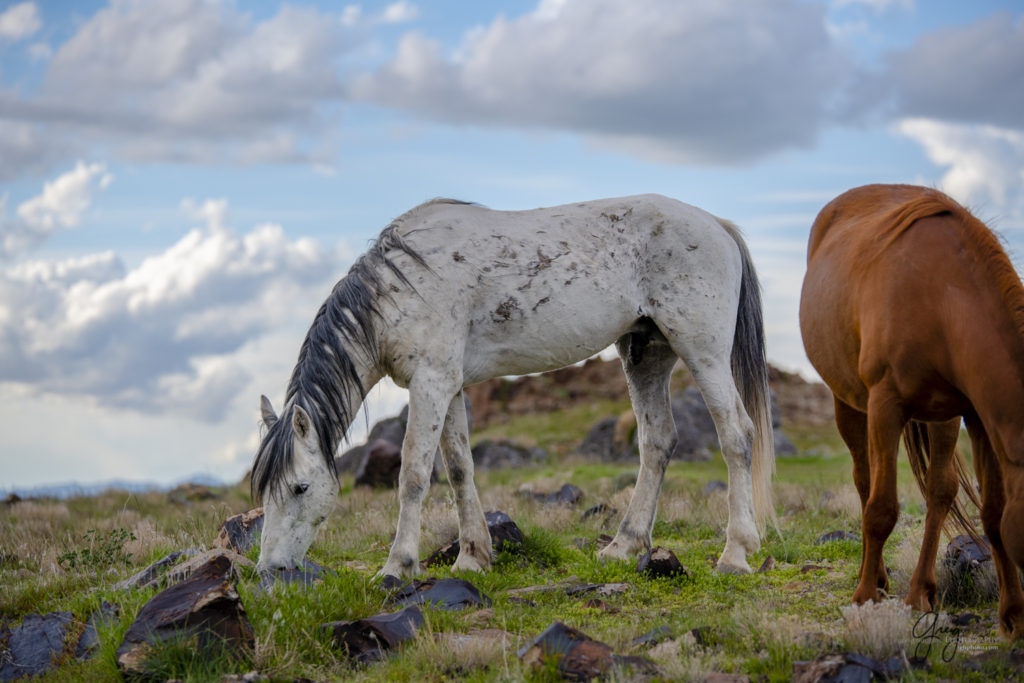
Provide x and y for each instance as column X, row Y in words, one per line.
column 757, row 624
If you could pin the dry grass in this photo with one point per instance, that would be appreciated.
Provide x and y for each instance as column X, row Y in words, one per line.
column 878, row 629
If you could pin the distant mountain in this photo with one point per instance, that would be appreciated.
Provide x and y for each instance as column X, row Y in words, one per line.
column 75, row 489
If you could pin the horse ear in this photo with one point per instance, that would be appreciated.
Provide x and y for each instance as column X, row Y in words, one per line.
column 269, row 416
column 301, row 423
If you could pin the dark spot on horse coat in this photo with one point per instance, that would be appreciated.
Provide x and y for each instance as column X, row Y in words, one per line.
column 540, row 303
column 505, row 310
column 456, row 256
column 691, row 247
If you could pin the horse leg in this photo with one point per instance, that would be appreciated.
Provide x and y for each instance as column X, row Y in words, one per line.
column 430, row 394
column 853, row 427
column 940, row 490
column 885, row 422
column 647, row 376
column 474, row 538
column 993, row 517
column 736, row 436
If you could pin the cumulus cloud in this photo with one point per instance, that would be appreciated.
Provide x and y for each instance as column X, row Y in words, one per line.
column 59, row 207
column 985, row 164
column 696, row 81
column 188, row 81
column 967, row 74
column 159, row 337
column 19, row 21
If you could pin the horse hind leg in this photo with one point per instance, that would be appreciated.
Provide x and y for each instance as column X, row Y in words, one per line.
column 853, row 428
column 474, row 538
column 940, row 488
column 647, row 361
column 882, row 509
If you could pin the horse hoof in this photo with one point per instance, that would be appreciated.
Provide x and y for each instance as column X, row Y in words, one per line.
column 468, row 563
column 724, row 568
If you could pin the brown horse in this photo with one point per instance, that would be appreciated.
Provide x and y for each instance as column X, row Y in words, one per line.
column 913, row 315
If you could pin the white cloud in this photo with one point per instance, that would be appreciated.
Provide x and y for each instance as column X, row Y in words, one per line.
column 985, row 164
column 878, row 6
column 190, row 81
column 400, row 12
column 163, row 336
column 706, row 81
column 59, row 207
column 19, row 21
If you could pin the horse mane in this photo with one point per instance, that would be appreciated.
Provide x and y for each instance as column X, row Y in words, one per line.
column 325, row 374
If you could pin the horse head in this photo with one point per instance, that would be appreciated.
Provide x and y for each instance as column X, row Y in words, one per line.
column 296, row 484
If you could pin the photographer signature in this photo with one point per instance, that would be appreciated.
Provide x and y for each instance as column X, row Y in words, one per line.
column 929, row 632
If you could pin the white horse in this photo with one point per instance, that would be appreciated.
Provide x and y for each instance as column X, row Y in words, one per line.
column 453, row 293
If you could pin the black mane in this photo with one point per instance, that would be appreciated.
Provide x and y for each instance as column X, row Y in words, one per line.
column 325, row 373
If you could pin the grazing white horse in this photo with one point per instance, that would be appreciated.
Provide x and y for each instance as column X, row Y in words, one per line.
column 453, row 293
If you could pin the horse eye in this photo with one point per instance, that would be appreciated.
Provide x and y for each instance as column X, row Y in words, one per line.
column 299, row 489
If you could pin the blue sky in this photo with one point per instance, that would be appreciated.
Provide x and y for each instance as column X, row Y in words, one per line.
column 182, row 181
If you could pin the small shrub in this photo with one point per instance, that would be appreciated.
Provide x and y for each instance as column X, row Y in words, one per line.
column 101, row 552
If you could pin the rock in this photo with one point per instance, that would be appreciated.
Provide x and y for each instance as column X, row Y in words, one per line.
column 36, row 647
column 601, row 442
column 368, row 640
column 446, row 594
column 89, row 641
column 204, row 609
column 380, row 466
column 12, row 498
column 569, row 494
column 309, row 574
column 600, row 509
column 504, row 454
column 704, row 636
column 767, row 565
column 839, row 535
column 783, row 446
column 152, row 573
column 188, row 493
column 240, row 532
column 967, row 574
column 652, row 637
column 660, row 563
column 577, row 656
column 695, row 430
column 182, row 571
column 596, row 589
column 506, row 536
column 846, row 668
column 391, row 430
column 965, row 553
column 714, row 486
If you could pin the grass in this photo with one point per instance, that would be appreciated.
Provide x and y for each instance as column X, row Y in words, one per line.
column 757, row 625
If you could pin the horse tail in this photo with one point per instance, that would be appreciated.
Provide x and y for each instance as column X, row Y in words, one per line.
column 918, row 446
column 750, row 371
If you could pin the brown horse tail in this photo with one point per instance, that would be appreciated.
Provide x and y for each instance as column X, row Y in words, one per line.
column 750, row 371
column 915, row 440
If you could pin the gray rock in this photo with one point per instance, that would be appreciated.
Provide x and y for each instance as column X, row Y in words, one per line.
column 506, row 454
column 34, row 647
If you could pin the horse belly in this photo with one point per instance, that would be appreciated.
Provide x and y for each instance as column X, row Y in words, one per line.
column 516, row 336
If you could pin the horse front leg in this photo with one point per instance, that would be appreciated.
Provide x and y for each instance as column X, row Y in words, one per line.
column 996, row 479
column 429, row 397
column 474, row 537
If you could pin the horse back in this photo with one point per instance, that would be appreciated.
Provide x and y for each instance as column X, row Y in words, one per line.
column 905, row 284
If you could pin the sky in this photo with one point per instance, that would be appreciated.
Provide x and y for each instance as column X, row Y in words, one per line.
column 182, row 181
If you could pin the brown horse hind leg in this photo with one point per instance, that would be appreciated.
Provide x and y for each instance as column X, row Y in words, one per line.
column 940, row 489
column 853, row 427
column 885, row 422
column 988, row 470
